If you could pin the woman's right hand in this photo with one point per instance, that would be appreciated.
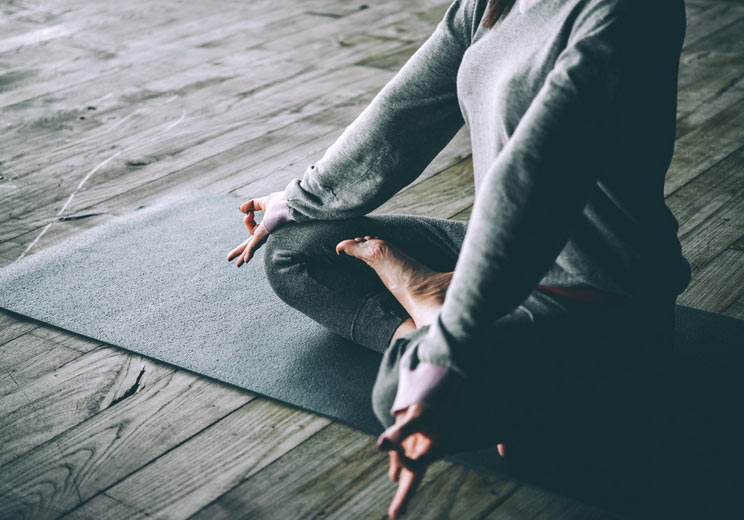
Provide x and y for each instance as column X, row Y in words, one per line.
column 268, row 204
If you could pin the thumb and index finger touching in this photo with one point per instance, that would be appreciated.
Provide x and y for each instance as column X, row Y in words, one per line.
column 415, row 425
column 244, row 252
column 392, row 437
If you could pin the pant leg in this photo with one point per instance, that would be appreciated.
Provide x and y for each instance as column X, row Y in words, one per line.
column 343, row 293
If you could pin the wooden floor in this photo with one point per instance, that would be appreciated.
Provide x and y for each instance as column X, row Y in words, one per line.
column 105, row 107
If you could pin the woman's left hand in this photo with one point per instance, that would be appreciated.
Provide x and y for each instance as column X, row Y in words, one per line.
column 413, row 442
column 244, row 252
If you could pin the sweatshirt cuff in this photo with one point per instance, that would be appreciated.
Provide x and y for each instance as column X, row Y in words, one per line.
column 279, row 215
column 432, row 385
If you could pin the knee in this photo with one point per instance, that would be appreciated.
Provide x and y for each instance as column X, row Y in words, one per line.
column 282, row 260
column 288, row 252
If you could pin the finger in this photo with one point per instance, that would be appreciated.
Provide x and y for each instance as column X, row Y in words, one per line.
column 394, row 467
column 392, row 438
column 253, row 205
column 246, row 254
column 259, row 237
column 407, row 484
column 237, row 251
column 250, row 222
column 368, row 237
column 502, row 449
column 418, row 447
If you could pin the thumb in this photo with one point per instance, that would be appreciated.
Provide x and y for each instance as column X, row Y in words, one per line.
column 257, row 204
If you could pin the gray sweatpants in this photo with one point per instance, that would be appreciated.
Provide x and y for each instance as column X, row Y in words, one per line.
column 557, row 379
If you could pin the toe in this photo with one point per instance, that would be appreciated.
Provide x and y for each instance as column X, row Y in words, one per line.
column 344, row 245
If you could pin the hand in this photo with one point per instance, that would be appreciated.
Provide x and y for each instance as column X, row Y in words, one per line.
column 413, row 442
column 244, row 252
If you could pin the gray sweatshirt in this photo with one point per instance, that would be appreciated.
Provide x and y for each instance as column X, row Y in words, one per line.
column 571, row 108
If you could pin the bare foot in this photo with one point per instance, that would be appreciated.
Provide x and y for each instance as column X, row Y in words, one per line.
column 404, row 328
column 419, row 289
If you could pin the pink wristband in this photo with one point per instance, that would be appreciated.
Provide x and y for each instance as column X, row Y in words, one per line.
column 279, row 215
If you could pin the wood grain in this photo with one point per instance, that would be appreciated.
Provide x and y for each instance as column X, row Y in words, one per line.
column 91, row 381
column 529, row 503
column 13, row 326
column 307, row 482
column 164, row 411
column 211, row 463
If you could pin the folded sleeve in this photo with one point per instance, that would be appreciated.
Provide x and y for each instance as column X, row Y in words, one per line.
column 531, row 196
column 397, row 135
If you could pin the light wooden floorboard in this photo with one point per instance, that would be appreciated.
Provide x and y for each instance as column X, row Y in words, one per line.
column 239, row 97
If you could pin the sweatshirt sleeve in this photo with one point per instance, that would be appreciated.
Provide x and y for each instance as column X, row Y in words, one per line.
column 531, row 195
column 391, row 142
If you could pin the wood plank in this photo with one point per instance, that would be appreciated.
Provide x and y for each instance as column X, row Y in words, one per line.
column 198, row 471
column 711, row 142
column 68, row 165
column 714, row 16
column 270, row 155
column 532, row 504
column 717, row 285
column 74, row 114
column 447, row 491
column 92, row 381
column 710, row 78
column 169, row 148
column 441, row 195
column 170, row 408
column 13, row 326
column 66, row 338
column 331, row 474
column 337, row 57
column 711, row 210
column 29, row 357
column 99, row 44
column 715, row 235
column 736, row 309
column 701, row 198
column 462, row 215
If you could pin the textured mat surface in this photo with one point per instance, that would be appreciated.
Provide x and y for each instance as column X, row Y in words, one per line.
column 157, row 282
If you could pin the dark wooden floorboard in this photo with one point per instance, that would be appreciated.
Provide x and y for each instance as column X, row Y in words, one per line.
column 239, row 97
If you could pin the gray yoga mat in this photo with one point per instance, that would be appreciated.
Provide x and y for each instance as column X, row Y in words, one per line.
column 157, row 282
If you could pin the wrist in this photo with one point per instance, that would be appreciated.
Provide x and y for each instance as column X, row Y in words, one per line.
column 431, row 385
column 277, row 213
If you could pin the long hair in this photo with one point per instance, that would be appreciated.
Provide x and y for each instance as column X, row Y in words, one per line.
column 496, row 10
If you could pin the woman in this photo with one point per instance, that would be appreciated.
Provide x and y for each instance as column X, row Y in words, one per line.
column 554, row 303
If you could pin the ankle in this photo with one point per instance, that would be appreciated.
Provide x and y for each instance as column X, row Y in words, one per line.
column 404, row 328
